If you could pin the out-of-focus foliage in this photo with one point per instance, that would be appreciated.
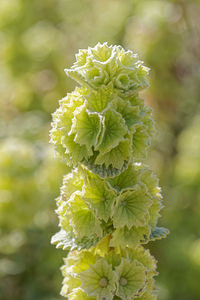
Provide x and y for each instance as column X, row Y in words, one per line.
column 38, row 40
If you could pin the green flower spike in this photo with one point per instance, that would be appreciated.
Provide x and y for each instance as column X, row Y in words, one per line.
column 97, row 123
column 110, row 202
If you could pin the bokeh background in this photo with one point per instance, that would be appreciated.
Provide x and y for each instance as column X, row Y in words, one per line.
column 38, row 39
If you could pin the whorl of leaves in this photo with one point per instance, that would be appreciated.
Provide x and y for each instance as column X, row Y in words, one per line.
column 110, row 202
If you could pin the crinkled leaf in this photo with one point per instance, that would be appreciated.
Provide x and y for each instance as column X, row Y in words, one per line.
column 101, row 52
column 131, row 207
column 158, row 233
column 103, row 171
column 146, row 175
column 67, row 240
column 143, row 256
column 62, row 239
column 115, row 129
column 140, row 141
column 69, row 284
column 125, row 237
column 129, row 113
column 117, row 156
column 78, row 261
column 72, row 182
column 98, row 100
column 86, row 127
column 99, row 196
column 78, row 294
column 125, row 180
column 154, row 211
column 76, row 151
column 82, row 219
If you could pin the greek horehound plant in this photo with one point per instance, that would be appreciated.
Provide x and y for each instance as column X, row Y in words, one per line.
column 109, row 204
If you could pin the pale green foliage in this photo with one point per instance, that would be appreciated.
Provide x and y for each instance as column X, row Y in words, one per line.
column 108, row 272
column 110, row 202
column 103, row 64
column 99, row 121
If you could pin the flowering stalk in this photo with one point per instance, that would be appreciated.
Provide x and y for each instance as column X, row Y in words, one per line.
column 110, row 202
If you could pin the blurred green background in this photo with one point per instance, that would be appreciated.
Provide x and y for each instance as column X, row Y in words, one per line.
column 38, row 39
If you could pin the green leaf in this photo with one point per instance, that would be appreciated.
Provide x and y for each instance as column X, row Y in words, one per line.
column 103, row 171
column 154, row 211
column 128, row 59
column 125, row 237
column 140, row 141
column 148, row 177
column 126, row 179
column 101, row 52
column 78, row 294
column 86, row 127
column 131, row 279
column 76, row 151
column 129, row 113
column 68, row 241
column 115, row 129
column 131, row 207
column 143, row 256
column 72, row 183
column 98, row 100
column 69, row 284
column 62, row 239
column 82, row 219
column 78, row 261
column 117, row 156
column 99, row 196
column 158, row 233
column 99, row 280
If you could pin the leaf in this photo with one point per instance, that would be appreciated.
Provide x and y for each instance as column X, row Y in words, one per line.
column 144, row 257
column 116, row 157
column 154, row 211
column 81, row 58
column 115, row 129
column 99, row 100
column 69, row 284
column 72, row 183
column 140, row 142
column 125, row 237
column 131, row 279
column 68, row 241
column 78, row 294
column 62, row 239
column 99, row 196
column 103, row 171
column 82, row 219
column 86, row 127
column 129, row 113
column 128, row 59
column 131, row 207
column 158, row 233
column 76, row 151
column 101, row 52
column 78, row 261
column 146, row 175
column 125, row 180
